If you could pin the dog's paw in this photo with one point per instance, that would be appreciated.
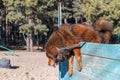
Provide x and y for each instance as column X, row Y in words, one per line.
column 79, row 68
column 70, row 72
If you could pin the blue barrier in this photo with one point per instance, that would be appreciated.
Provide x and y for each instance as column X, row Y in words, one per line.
column 100, row 62
column 9, row 50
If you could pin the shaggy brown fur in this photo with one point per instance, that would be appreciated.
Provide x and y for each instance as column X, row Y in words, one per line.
column 104, row 29
column 67, row 36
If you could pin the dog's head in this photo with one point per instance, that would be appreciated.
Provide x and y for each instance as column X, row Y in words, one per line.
column 56, row 55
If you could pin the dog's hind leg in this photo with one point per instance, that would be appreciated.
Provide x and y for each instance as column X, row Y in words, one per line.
column 78, row 58
column 70, row 65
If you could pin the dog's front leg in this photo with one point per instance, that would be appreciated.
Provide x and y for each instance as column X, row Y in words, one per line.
column 78, row 58
column 70, row 65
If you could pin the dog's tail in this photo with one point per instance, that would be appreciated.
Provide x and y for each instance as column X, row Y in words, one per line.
column 104, row 29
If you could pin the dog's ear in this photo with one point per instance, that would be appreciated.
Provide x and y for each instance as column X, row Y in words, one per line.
column 66, row 51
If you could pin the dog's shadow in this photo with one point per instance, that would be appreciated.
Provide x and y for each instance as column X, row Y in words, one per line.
column 63, row 68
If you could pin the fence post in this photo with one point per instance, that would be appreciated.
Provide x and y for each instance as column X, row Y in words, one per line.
column 59, row 13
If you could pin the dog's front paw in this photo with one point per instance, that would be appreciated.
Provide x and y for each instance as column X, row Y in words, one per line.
column 70, row 72
column 79, row 67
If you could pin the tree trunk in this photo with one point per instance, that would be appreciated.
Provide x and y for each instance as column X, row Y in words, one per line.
column 65, row 20
column 29, row 38
column 38, row 43
column 76, row 20
column 6, row 29
column 29, row 43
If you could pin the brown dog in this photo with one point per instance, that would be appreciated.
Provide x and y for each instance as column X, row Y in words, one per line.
column 68, row 35
column 104, row 29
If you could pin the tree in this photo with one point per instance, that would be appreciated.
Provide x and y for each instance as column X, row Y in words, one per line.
column 102, row 9
column 107, row 9
column 24, row 13
column 40, row 31
column 43, row 12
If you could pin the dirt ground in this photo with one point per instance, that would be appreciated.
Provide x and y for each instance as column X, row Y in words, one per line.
column 28, row 66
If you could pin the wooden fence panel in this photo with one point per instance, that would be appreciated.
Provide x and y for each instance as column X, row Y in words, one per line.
column 100, row 62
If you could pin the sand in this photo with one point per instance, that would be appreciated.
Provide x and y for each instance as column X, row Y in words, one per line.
column 28, row 66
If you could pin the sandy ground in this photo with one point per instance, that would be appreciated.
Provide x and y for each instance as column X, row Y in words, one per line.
column 28, row 66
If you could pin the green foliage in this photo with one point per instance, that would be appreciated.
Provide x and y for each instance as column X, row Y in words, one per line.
column 44, row 11
column 67, row 8
column 106, row 9
column 37, row 29
column 116, row 30
column 29, row 3
column 99, row 9
column 41, row 29
column 26, row 29
column 16, row 18
column 21, row 11
column 77, row 8
column 93, row 9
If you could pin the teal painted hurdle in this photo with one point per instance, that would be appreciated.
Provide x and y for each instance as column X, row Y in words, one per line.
column 9, row 50
column 100, row 62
